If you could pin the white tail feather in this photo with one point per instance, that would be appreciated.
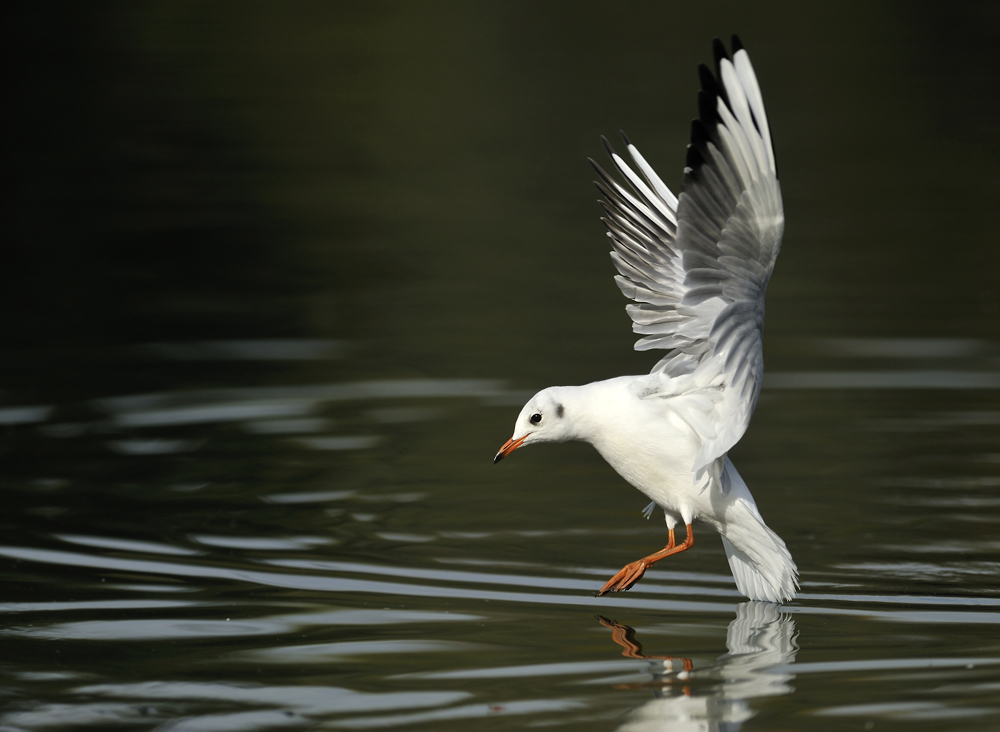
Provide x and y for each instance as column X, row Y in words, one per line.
column 761, row 564
column 777, row 583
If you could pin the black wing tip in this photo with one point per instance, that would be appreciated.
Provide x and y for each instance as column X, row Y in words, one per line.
column 719, row 52
column 712, row 89
column 628, row 143
column 719, row 49
column 694, row 158
column 697, row 150
column 604, row 189
column 597, row 169
column 607, row 147
column 708, row 81
column 700, row 136
column 707, row 107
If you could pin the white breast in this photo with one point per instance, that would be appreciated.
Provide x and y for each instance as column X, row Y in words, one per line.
column 649, row 446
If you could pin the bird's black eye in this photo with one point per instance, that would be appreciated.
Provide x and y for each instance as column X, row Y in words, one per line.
column 535, row 418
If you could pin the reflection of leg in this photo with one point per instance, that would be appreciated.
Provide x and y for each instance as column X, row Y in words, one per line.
column 632, row 573
column 624, row 636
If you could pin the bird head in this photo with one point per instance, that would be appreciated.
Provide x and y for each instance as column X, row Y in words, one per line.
column 543, row 419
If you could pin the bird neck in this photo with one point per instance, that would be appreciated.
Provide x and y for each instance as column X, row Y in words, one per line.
column 591, row 409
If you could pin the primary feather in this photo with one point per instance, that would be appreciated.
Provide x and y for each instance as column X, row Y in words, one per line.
column 697, row 265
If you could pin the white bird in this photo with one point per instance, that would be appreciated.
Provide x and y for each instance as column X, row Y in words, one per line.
column 696, row 267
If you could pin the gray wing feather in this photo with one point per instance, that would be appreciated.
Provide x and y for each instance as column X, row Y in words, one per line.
column 697, row 265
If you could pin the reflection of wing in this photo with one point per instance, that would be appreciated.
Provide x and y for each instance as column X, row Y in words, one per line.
column 697, row 266
column 760, row 640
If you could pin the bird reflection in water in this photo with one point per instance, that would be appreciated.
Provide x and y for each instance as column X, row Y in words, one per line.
column 760, row 643
column 624, row 636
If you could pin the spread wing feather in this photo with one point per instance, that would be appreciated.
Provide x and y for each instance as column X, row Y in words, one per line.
column 697, row 266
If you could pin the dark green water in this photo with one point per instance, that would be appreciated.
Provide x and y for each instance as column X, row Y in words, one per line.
column 278, row 279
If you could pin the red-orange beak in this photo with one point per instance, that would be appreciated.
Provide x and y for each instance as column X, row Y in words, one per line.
column 508, row 447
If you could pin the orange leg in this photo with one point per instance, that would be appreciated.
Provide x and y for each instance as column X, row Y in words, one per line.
column 632, row 573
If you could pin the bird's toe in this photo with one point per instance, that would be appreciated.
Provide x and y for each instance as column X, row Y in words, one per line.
column 626, row 577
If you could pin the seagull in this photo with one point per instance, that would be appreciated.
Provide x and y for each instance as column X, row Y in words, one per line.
column 696, row 267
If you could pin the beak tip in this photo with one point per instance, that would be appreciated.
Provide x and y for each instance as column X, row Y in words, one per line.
column 509, row 447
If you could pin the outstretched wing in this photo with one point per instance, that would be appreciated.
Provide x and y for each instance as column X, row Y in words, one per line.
column 697, row 266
